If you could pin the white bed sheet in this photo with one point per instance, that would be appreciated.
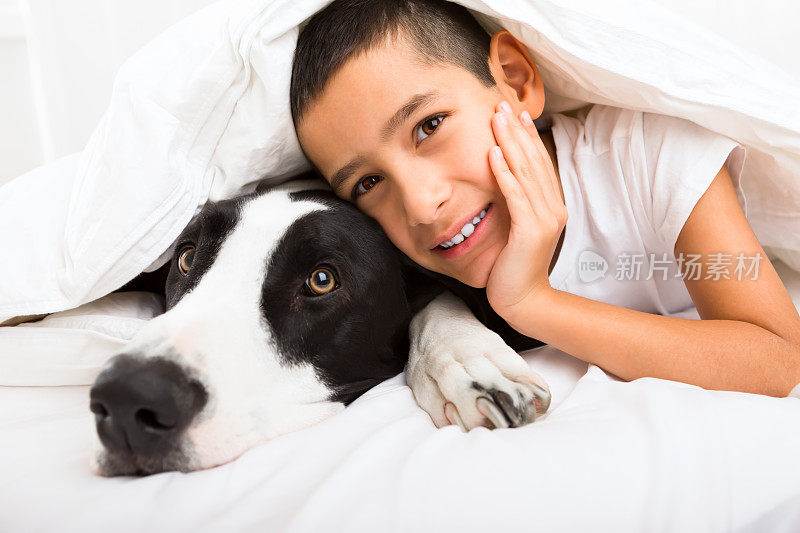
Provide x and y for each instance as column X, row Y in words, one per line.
column 649, row 455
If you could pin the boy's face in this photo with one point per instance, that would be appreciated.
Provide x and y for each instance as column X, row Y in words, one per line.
column 422, row 175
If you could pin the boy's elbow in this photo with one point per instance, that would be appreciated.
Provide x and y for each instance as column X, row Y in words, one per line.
column 792, row 385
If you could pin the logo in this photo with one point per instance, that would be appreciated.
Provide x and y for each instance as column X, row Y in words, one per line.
column 591, row 266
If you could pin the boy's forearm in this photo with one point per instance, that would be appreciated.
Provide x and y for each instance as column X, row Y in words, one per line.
column 714, row 354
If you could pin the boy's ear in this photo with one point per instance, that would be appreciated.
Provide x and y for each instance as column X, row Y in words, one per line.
column 515, row 73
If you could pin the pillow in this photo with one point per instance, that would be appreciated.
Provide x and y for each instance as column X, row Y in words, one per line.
column 70, row 347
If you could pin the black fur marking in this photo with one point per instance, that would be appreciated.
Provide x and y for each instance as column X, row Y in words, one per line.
column 206, row 234
column 357, row 335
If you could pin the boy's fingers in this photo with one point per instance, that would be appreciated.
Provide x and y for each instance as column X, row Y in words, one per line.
column 519, row 207
column 533, row 145
column 551, row 188
column 516, row 158
column 547, row 206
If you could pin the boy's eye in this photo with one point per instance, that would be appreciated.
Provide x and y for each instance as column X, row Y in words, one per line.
column 428, row 126
column 365, row 185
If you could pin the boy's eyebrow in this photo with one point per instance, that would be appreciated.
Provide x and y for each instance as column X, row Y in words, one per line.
column 388, row 129
column 406, row 111
column 343, row 173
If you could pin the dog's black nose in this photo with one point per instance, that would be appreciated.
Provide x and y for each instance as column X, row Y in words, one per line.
column 142, row 405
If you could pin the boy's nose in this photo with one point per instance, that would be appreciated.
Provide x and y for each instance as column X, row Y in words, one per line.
column 423, row 199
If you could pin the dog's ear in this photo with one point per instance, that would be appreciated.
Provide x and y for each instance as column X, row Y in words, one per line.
column 423, row 285
column 265, row 185
column 154, row 281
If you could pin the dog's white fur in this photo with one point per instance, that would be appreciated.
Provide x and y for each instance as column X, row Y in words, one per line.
column 253, row 395
column 450, row 350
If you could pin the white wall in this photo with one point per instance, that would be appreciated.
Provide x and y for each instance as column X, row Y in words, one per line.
column 20, row 147
column 58, row 59
column 769, row 28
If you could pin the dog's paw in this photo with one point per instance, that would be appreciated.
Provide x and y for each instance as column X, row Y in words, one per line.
column 476, row 380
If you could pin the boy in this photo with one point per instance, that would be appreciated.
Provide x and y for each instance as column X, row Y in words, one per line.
column 412, row 112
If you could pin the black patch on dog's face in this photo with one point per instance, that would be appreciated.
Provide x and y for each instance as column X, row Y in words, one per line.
column 206, row 235
column 356, row 335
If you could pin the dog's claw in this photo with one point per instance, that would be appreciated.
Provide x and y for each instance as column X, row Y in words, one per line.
column 542, row 398
column 488, row 408
column 451, row 413
column 514, row 412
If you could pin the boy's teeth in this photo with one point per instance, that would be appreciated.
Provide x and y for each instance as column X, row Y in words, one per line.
column 465, row 232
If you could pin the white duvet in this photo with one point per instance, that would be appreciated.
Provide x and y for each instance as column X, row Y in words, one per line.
column 202, row 112
column 650, row 455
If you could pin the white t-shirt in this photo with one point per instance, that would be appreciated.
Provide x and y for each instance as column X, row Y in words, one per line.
column 630, row 181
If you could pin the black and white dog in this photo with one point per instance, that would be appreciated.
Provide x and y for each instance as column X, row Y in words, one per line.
column 282, row 307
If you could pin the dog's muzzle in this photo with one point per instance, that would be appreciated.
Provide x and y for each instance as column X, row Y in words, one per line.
column 142, row 406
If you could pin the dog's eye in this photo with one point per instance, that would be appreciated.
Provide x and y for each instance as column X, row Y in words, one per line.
column 185, row 260
column 321, row 281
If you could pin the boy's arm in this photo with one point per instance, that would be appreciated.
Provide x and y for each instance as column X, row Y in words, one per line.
column 748, row 340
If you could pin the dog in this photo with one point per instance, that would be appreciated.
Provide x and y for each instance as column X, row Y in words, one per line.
column 283, row 306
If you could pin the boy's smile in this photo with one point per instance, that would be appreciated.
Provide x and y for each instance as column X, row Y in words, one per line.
column 408, row 142
column 466, row 236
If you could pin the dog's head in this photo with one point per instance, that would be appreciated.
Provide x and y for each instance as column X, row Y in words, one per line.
column 282, row 308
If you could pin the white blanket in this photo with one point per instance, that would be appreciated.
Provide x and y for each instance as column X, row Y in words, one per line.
column 202, row 112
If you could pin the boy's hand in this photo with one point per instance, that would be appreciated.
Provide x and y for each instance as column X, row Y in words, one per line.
column 527, row 179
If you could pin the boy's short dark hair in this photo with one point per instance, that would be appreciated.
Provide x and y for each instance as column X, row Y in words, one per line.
column 439, row 32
